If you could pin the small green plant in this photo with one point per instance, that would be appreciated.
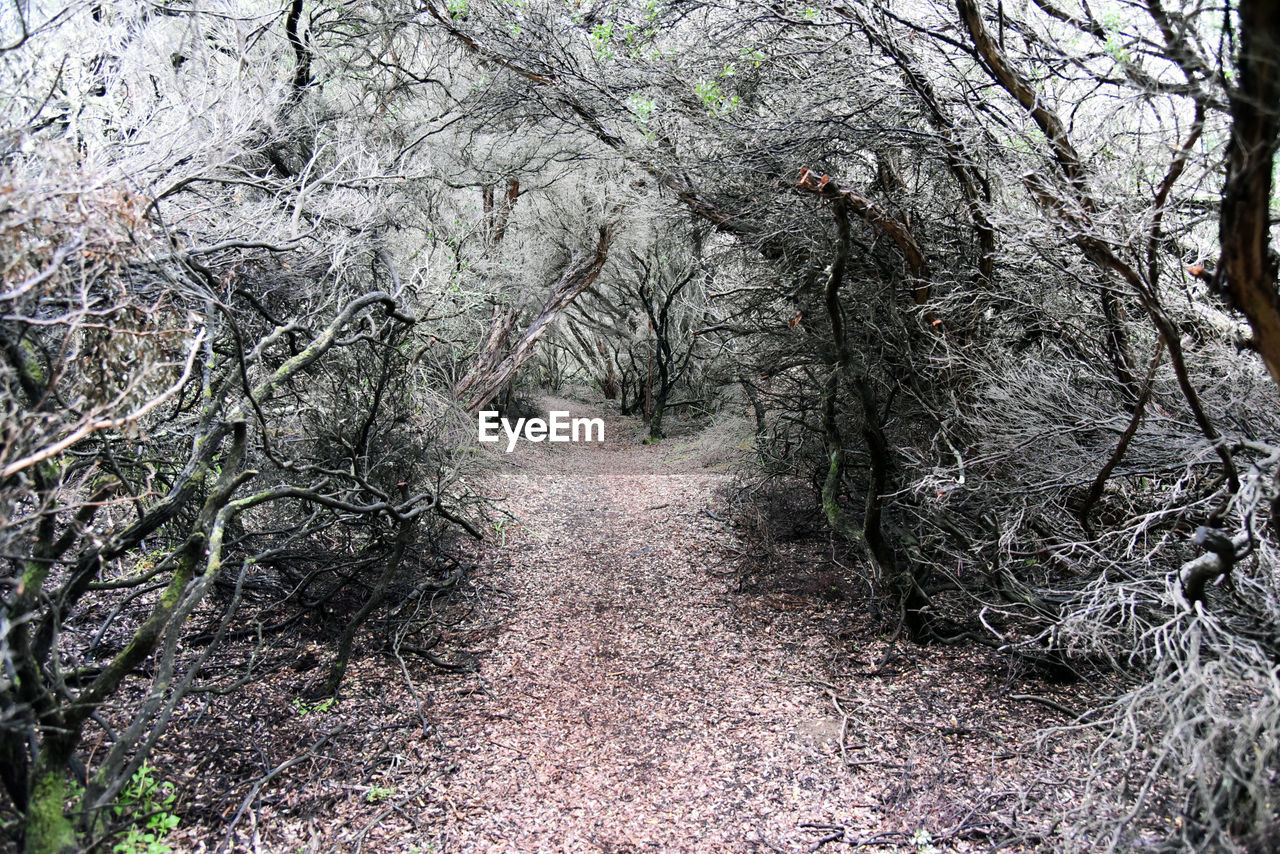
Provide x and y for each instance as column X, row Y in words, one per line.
column 923, row 841
column 713, row 97
column 708, row 92
column 500, row 528
column 1113, row 22
column 1117, row 51
column 303, row 708
column 152, row 802
column 642, row 109
column 602, row 41
column 377, row 794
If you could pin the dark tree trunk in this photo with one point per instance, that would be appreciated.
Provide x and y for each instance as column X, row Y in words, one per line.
column 757, row 404
column 1247, row 271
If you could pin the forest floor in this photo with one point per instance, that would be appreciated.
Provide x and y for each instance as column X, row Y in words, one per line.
column 642, row 681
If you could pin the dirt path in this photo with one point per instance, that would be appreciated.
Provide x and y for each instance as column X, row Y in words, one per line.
column 621, row 705
column 629, row 697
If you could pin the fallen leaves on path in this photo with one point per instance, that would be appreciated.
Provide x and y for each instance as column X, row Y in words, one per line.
column 627, row 698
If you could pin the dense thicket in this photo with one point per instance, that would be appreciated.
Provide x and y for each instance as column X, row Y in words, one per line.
column 996, row 281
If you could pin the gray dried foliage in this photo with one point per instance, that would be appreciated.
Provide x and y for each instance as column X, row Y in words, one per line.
column 961, row 260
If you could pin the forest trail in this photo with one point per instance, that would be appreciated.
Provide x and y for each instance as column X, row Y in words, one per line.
column 622, row 703
column 644, row 680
